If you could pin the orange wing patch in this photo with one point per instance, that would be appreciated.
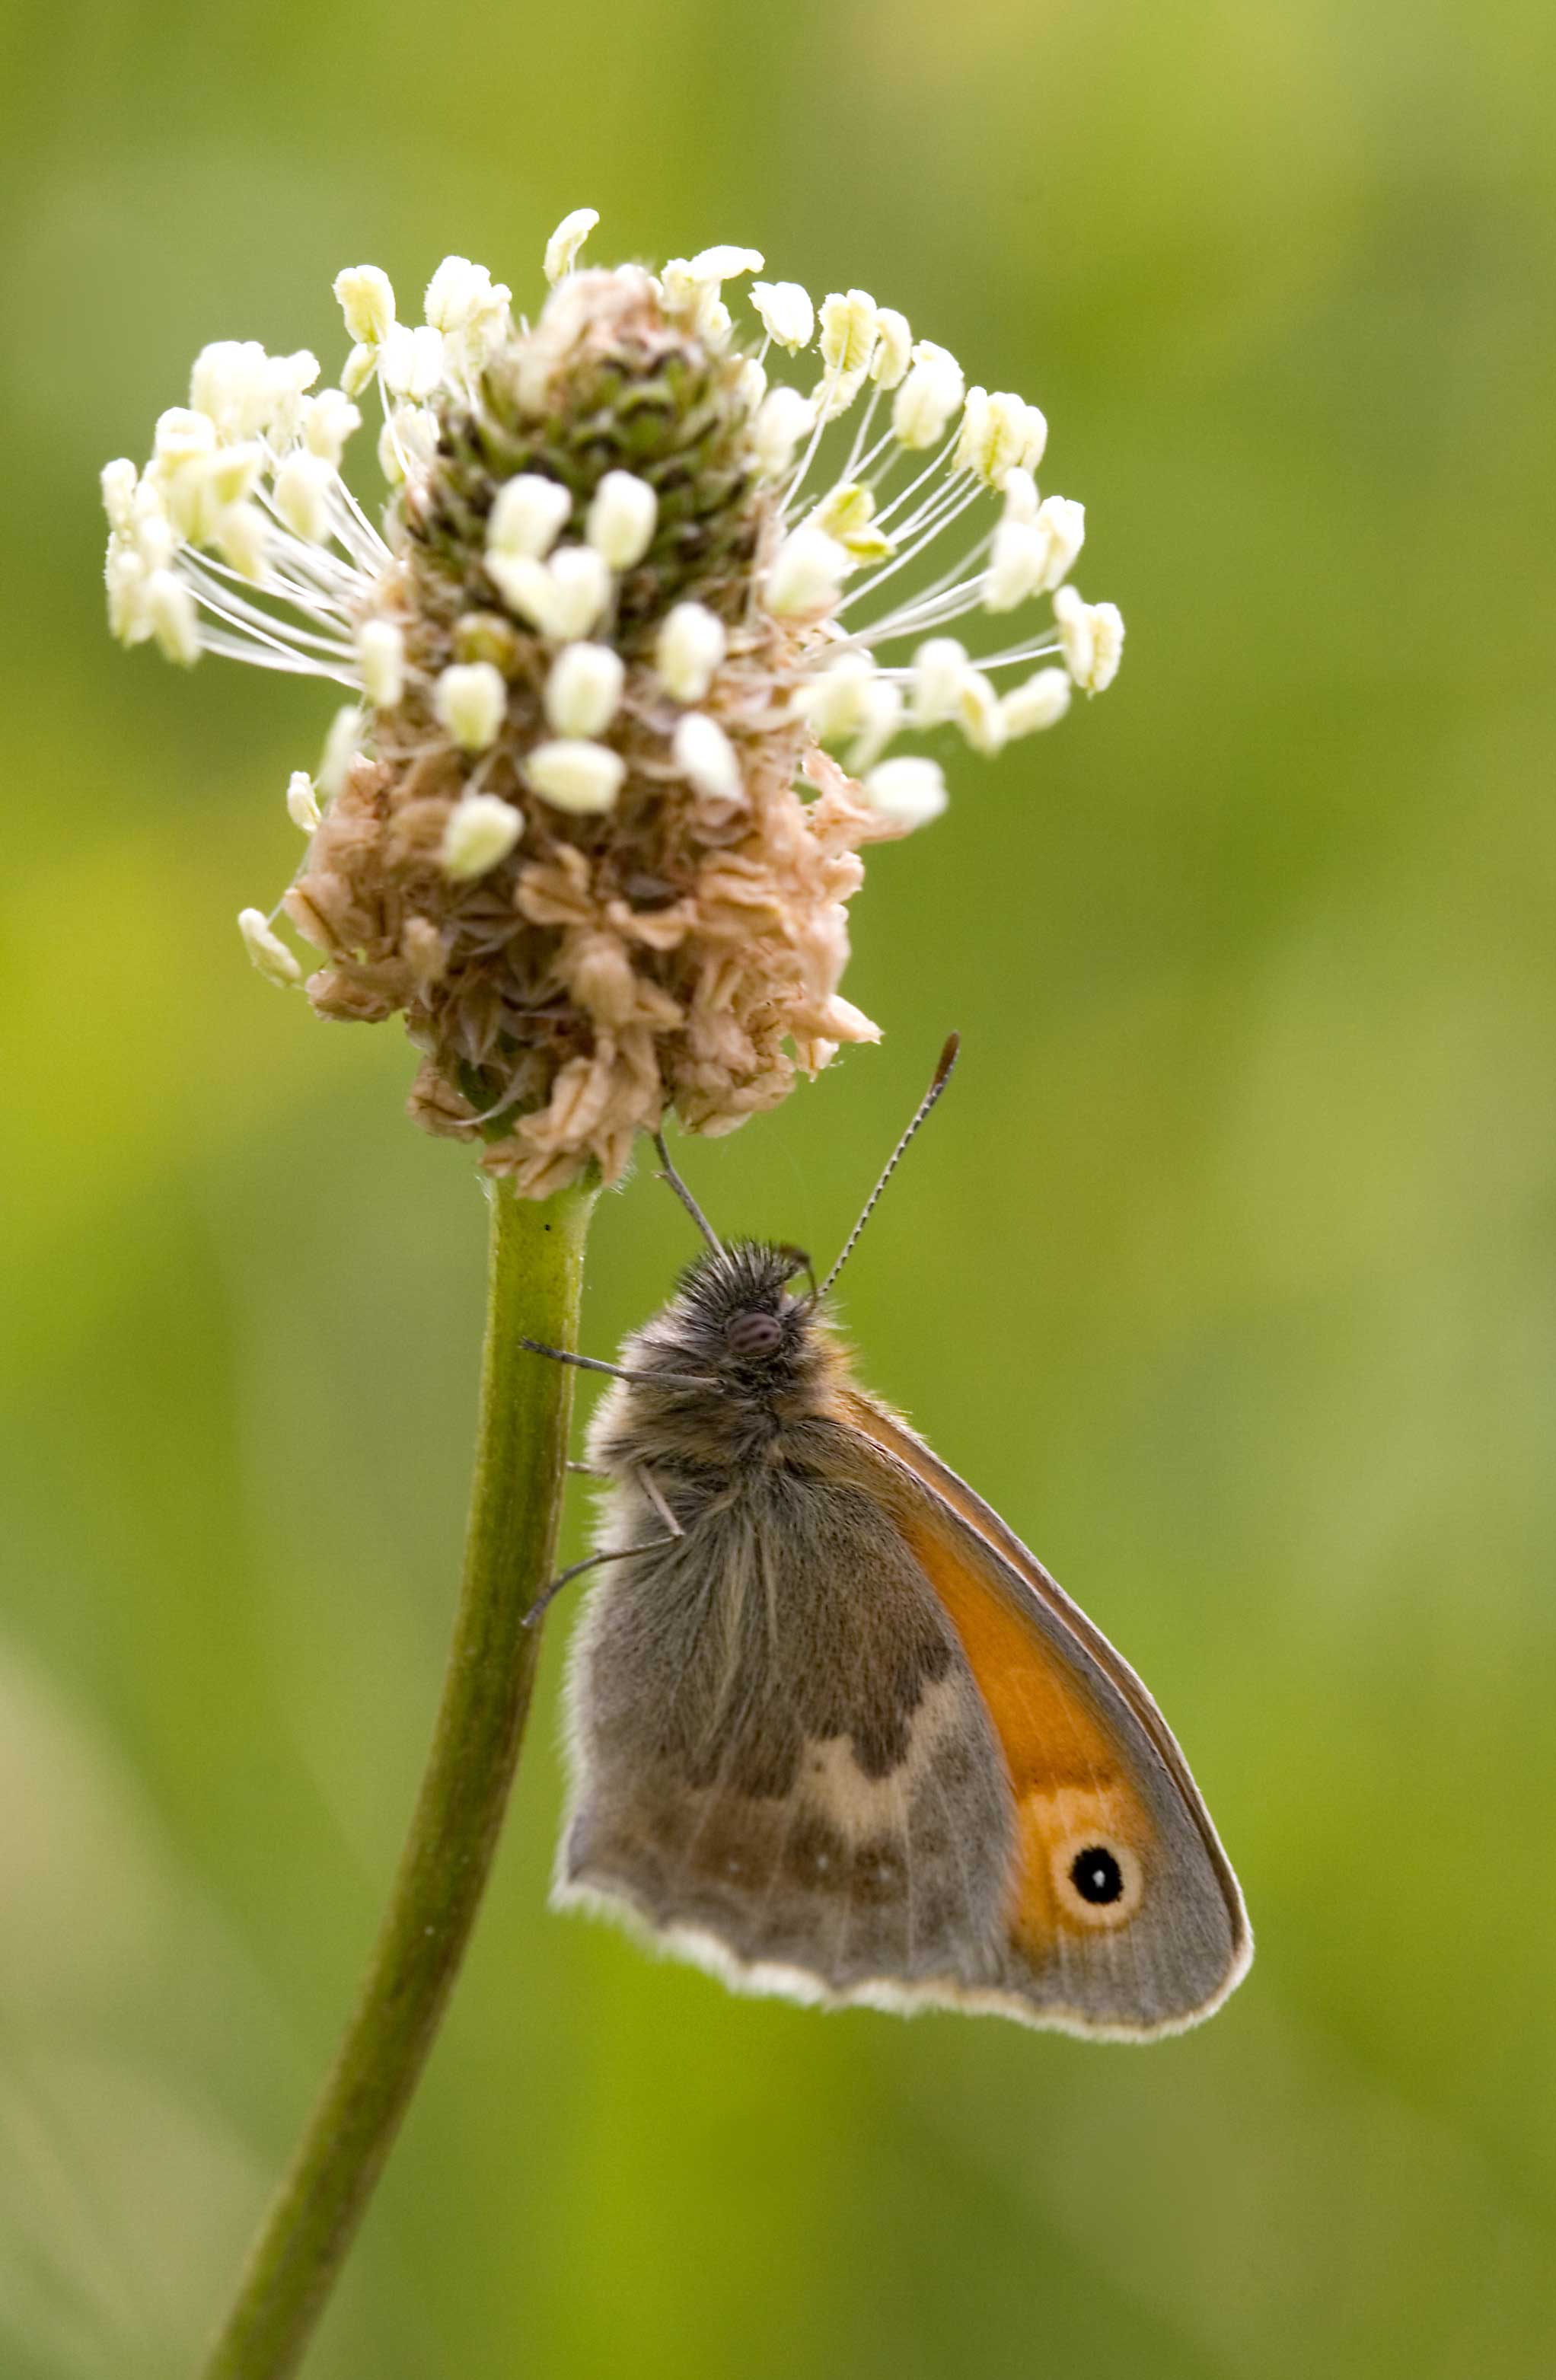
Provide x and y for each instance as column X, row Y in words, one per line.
column 1085, row 1837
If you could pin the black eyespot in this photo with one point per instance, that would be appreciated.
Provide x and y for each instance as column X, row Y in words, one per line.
column 1095, row 1875
column 754, row 1334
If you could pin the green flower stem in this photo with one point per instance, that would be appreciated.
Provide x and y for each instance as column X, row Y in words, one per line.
column 534, row 1287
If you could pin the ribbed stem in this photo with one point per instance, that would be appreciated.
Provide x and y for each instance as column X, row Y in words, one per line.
column 535, row 1284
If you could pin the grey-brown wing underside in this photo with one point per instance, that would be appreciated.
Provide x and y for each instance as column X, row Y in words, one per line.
column 786, row 1766
column 780, row 1761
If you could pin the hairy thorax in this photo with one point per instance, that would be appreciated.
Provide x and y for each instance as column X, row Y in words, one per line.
column 703, row 1405
column 721, row 1439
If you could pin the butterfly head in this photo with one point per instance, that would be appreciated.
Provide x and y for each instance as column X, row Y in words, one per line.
column 739, row 1318
column 738, row 1322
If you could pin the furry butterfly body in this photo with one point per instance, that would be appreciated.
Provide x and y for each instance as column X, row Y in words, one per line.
column 836, row 1733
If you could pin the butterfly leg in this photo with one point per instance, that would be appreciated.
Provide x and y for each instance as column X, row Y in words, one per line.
column 588, row 1471
column 673, row 1531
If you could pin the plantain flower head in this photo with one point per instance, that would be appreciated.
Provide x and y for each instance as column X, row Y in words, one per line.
column 641, row 650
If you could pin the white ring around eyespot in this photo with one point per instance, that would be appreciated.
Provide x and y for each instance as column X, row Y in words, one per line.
column 1100, row 1915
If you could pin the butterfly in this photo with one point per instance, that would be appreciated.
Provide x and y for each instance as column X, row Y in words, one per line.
column 834, row 1733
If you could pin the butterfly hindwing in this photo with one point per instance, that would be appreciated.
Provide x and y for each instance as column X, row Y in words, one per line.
column 782, row 1762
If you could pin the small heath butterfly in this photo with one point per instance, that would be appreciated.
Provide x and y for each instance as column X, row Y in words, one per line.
column 834, row 1733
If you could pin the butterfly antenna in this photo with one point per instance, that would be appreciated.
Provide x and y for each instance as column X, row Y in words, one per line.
column 941, row 1076
column 684, row 1195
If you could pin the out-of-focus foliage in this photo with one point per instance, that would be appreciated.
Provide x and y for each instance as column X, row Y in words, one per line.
column 1225, row 1269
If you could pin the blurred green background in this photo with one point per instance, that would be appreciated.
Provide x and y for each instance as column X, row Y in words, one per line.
column 1226, row 1271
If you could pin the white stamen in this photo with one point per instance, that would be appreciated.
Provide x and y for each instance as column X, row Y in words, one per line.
column 977, row 709
column 407, row 443
column 890, row 362
column 286, row 379
column 482, row 828
column 381, row 649
column 782, row 420
column 1040, row 702
column 584, row 777
column 692, row 296
column 687, row 650
column 621, row 519
column 411, row 362
column 787, row 315
column 182, row 436
column 525, row 586
column 561, row 247
column 714, row 320
column 939, row 667
column 850, row 327
column 583, row 690
column 1062, row 523
column 580, row 582
column 266, row 948
column 1018, row 567
column 704, row 754
column 835, row 700
column 999, row 432
column 564, row 598
column 340, row 750
column 470, row 701
column 471, row 309
column 807, row 573
column 1020, row 493
column 1091, row 637
column 123, row 580
column 118, row 483
column 911, row 791
column 366, row 298
column 529, row 515
column 358, row 368
column 328, row 421
column 847, row 513
column 302, row 801
column 242, row 537
column 185, row 437
column 454, row 292
column 725, row 263
column 928, row 398
column 229, row 382
column 302, row 495
column 170, row 608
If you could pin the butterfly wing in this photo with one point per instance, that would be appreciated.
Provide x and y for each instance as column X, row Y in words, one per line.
column 781, row 1764
column 1123, row 1912
column 847, row 1741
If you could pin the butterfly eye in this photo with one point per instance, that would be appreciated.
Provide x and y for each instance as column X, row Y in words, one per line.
column 1098, row 1879
column 754, row 1334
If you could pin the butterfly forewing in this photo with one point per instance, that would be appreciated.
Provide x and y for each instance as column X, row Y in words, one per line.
column 1020, row 1630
